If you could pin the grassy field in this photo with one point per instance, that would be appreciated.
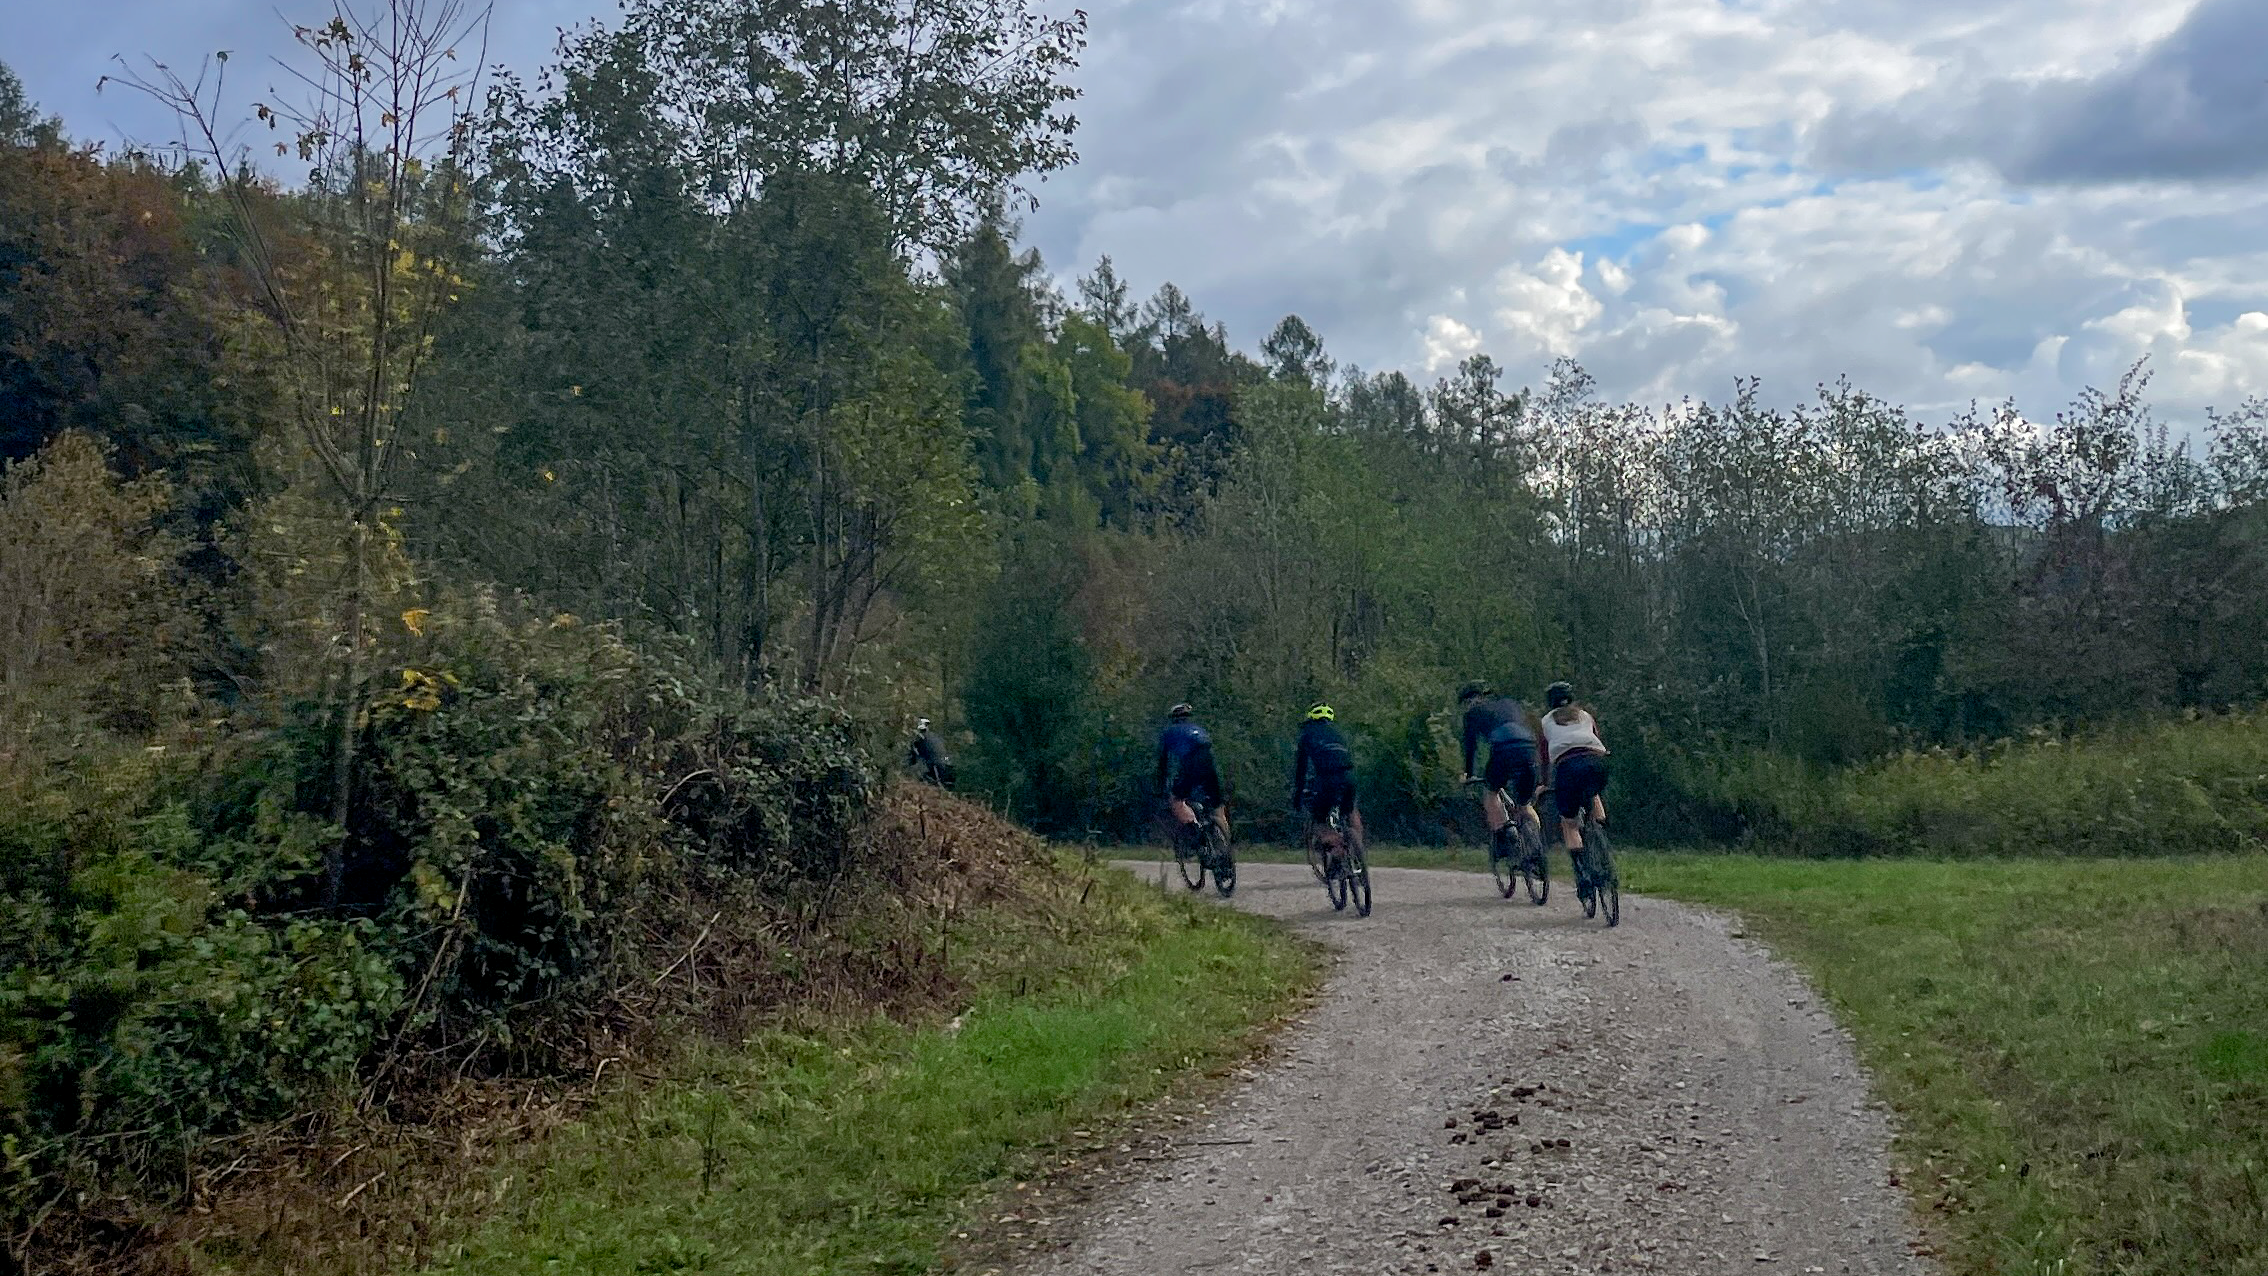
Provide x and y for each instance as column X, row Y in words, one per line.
column 861, row 1148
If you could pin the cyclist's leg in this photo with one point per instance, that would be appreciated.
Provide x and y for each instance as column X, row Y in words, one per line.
column 1501, row 766
column 1582, row 779
column 1205, row 778
column 1568, row 797
column 1523, row 791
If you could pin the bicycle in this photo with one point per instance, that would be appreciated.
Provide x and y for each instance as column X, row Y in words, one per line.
column 1345, row 876
column 1521, row 861
column 1211, row 853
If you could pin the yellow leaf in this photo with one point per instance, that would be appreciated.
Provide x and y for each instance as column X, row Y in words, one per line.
column 414, row 620
column 550, row 477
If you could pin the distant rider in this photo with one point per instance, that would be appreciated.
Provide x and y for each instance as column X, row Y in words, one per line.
column 1324, row 755
column 1578, row 763
column 1188, row 774
column 1515, row 757
column 926, row 755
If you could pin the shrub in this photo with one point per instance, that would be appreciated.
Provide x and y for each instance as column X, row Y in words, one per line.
column 533, row 798
column 2194, row 784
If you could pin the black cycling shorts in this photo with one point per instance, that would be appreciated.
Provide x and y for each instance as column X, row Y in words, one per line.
column 1577, row 779
column 1197, row 779
column 1331, row 791
column 1512, row 768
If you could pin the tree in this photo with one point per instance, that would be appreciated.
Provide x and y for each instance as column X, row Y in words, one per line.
column 1294, row 353
column 1102, row 299
column 354, row 302
column 109, row 318
column 20, row 120
column 936, row 108
column 996, row 289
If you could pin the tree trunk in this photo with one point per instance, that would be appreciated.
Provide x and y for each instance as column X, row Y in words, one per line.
column 350, row 711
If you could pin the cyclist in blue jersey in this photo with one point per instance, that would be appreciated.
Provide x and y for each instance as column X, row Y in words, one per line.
column 1187, row 773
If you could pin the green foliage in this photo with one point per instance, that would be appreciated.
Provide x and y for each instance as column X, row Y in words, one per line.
column 145, row 1007
column 1028, row 689
column 2160, row 787
column 2071, row 1046
column 96, row 624
column 529, row 793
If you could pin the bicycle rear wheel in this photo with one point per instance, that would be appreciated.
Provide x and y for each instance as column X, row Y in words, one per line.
column 1358, row 879
column 1191, row 859
column 1606, row 884
column 1535, row 867
column 1224, row 861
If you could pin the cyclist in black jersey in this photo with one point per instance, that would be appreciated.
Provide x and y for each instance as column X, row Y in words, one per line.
column 1515, row 755
column 1324, row 755
column 926, row 756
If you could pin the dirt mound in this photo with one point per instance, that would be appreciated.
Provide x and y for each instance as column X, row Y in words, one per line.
column 947, row 847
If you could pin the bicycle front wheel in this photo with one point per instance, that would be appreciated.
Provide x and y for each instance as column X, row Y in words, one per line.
column 1224, row 862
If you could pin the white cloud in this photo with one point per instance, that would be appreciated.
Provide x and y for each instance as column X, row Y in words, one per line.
column 1447, row 343
column 1633, row 182
column 1546, row 309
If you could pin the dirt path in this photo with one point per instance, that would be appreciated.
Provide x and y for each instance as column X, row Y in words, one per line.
column 1693, row 1109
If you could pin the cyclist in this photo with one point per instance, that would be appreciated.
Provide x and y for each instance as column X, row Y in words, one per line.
column 1187, row 773
column 1323, row 753
column 1515, row 754
column 926, row 755
column 1578, row 763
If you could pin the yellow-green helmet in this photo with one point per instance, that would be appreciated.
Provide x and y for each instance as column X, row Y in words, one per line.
column 1320, row 712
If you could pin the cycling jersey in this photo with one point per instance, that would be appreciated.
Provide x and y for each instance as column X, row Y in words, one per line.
column 1322, row 748
column 1503, row 722
column 1185, row 755
column 1581, row 734
column 926, row 755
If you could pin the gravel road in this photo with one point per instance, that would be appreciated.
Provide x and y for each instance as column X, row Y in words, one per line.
column 1486, row 1085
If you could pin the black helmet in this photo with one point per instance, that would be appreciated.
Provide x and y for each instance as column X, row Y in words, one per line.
column 1557, row 694
column 1180, row 711
column 1472, row 691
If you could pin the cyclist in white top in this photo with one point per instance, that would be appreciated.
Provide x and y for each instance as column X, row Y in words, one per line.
column 1578, row 762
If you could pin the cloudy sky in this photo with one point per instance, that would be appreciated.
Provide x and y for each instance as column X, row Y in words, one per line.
column 1945, row 199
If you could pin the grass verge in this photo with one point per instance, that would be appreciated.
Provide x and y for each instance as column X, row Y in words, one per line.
column 2078, row 1049
column 860, row 1147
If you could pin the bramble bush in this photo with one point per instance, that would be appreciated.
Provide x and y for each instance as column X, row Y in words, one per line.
column 533, row 795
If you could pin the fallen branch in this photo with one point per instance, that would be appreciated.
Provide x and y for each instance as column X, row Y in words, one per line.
column 687, row 955
column 349, row 1197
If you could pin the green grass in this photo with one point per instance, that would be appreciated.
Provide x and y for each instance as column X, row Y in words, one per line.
column 2078, row 1049
column 862, row 1148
